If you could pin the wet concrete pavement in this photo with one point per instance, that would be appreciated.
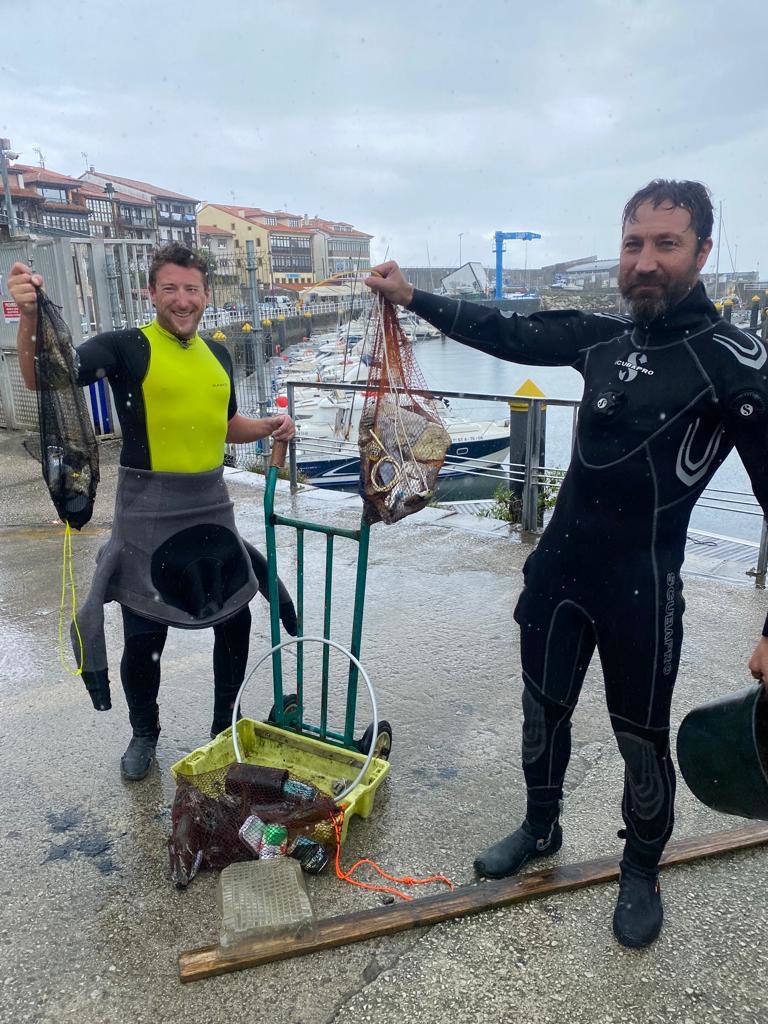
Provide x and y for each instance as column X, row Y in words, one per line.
column 90, row 926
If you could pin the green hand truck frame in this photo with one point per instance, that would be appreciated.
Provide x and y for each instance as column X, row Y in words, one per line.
column 288, row 709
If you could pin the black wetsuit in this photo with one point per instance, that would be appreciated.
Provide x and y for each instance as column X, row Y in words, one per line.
column 663, row 406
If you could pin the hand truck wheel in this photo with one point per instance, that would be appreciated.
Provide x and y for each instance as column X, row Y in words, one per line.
column 383, row 745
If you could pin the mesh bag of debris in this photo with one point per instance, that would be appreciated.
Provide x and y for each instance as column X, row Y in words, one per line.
column 245, row 811
column 401, row 436
column 68, row 450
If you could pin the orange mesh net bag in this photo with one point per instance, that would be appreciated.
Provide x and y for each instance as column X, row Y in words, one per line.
column 401, row 436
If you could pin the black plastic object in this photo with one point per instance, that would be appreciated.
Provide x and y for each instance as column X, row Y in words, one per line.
column 68, row 450
column 722, row 751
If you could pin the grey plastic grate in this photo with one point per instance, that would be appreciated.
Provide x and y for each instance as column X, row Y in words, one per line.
column 260, row 897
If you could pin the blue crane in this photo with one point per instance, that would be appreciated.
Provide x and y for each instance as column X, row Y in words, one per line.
column 500, row 237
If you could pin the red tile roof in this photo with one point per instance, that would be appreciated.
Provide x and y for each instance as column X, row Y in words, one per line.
column 243, row 212
column 144, row 186
column 255, row 215
column 97, row 192
column 330, row 226
column 42, row 176
column 209, row 229
column 23, row 193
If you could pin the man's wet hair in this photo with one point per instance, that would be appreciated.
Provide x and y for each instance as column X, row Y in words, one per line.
column 181, row 256
column 690, row 195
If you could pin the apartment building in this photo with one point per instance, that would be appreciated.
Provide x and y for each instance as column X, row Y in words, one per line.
column 174, row 214
column 291, row 249
column 47, row 202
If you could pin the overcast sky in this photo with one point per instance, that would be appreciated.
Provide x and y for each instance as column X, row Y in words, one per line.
column 415, row 121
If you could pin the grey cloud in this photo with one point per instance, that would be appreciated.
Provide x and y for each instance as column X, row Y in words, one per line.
column 416, row 121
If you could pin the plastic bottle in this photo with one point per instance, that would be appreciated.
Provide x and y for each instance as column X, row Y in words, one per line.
column 252, row 833
column 274, row 842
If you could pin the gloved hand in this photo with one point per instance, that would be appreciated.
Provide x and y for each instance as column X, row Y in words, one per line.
column 288, row 616
column 97, row 685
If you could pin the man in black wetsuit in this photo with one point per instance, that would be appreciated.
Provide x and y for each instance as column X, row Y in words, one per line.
column 175, row 556
column 667, row 394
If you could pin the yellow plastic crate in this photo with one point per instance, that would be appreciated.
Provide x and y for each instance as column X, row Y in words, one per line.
column 320, row 764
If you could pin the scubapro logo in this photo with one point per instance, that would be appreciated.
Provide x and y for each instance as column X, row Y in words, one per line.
column 633, row 364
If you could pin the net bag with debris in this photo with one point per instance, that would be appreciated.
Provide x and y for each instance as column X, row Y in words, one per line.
column 68, row 449
column 245, row 811
column 401, row 436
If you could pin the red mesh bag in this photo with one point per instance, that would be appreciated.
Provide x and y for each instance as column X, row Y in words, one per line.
column 401, row 436
column 210, row 810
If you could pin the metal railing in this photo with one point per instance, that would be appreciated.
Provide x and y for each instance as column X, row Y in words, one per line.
column 533, row 475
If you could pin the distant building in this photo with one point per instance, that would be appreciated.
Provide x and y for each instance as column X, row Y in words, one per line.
column 736, row 277
column 290, row 254
column 175, row 215
column 27, row 202
column 116, row 214
column 291, row 250
column 338, row 248
column 241, row 222
column 47, row 202
column 218, row 241
column 591, row 275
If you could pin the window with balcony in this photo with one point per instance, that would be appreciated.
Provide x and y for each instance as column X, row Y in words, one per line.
column 56, row 195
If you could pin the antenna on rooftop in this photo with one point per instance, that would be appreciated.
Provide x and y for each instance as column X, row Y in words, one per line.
column 84, row 155
column 40, row 156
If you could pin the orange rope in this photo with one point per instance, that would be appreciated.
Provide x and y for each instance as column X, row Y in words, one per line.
column 346, row 876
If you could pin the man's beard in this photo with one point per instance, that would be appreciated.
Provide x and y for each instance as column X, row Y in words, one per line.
column 666, row 294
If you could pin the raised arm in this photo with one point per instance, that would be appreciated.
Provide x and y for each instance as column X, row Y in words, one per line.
column 22, row 284
column 554, row 338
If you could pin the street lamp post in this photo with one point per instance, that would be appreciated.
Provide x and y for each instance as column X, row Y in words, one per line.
column 109, row 188
column 461, row 235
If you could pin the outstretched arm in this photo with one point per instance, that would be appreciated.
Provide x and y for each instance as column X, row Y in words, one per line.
column 554, row 338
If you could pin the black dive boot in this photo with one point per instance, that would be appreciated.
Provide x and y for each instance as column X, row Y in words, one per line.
column 508, row 856
column 137, row 760
column 639, row 914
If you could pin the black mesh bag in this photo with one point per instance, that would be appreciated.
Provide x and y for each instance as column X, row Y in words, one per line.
column 68, row 450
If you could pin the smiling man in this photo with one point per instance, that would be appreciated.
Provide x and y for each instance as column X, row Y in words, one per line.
column 175, row 557
column 668, row 392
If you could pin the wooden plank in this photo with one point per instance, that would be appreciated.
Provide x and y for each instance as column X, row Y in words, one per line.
column 468, row 899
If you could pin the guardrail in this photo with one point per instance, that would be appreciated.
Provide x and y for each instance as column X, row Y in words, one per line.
column 533, row 474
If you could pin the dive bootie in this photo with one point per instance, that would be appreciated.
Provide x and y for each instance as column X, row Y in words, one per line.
column 639, row 914
column 509, row 855
column 137, row 760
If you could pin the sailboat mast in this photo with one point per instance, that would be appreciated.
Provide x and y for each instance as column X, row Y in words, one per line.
column 717, row 259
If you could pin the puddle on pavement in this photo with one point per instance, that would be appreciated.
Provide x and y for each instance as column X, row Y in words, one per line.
column 82, row 838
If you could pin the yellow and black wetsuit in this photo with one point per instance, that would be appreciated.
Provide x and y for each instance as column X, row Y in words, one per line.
column 174, row 400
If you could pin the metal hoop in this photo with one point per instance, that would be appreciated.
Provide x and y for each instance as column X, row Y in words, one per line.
column 363, row 673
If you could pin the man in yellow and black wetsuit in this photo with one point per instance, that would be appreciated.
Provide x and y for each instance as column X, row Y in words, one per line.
column 175, row 557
